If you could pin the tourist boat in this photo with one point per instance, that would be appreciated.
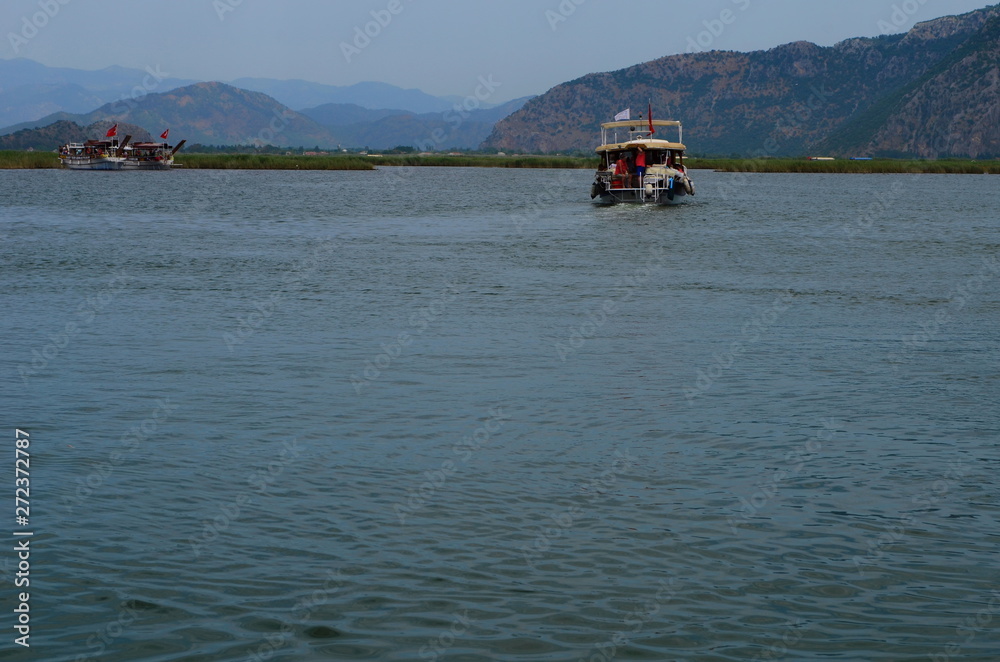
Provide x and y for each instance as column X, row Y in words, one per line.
column 150, row 156
column 94, row 155
column 665, row 181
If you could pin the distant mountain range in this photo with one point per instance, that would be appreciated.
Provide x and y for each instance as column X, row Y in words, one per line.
column 207, row 113
column 29, row 90
column 63, row 132
column 383, row 129
column 303, row 94
column 374, row 115
column 934, row 91
column 220, row 114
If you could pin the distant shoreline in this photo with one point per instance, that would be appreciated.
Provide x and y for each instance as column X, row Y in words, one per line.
column 12, row 160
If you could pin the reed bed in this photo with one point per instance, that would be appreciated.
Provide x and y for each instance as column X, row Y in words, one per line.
column 11, row 160
column 270, row 162
column 484, row 161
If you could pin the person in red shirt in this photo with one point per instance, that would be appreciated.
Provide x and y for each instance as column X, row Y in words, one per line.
column 640, row 164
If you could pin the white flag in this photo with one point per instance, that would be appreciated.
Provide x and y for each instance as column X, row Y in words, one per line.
column 624, row 115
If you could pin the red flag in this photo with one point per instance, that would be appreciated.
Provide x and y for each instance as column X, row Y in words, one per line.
column 164, row 134
column 651, row 129
column 112, row 132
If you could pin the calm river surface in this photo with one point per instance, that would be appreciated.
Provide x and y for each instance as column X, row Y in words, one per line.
column 462, row 414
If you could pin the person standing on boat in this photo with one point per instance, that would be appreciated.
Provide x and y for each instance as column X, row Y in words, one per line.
column 640, row 164
column 621, row 172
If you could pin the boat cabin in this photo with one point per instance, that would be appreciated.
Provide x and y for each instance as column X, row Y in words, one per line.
column 623, row 139
column 655, row 156
column 91, row 148
column 148, row 151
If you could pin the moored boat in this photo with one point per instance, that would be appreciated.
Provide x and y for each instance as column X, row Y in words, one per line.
column 109, row 154
column 93, row 155
column 637, row 167
column 150, row 156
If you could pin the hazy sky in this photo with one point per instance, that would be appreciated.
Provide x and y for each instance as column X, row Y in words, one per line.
column 440, row 46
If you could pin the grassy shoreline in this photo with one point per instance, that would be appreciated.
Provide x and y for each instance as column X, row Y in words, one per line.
column 10, row 160
column 271, row 162
column 485, row 161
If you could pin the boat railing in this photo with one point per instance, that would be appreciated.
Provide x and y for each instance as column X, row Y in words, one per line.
column 658, row 175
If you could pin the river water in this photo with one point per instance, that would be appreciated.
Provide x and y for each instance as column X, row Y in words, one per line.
column 462, row 414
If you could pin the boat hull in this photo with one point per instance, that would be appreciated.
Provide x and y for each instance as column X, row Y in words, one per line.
column 675, row 189
column 638, row 196
column 110, row 163
column 112, row 155
column 148, row 165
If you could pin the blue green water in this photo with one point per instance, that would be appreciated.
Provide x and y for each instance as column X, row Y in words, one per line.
column 462, row 414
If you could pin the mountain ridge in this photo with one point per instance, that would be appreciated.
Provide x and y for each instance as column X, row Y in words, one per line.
column 455, row 128
column 63, row 132
column 765, row 102
column 30, row 90
column 220, row 114
column 348, row 124
column 209, row 113
column 300, row 94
